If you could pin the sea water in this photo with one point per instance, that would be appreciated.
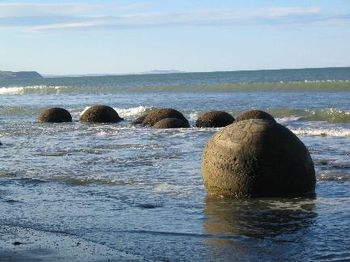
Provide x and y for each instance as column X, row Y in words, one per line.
column 90, row 192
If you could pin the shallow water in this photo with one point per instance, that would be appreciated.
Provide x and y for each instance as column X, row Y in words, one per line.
column 133, row 193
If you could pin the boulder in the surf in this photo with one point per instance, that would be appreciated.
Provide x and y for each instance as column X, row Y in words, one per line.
column 54, row 115
column 171, row 123
column 100, row 114
column 255, row 114
column 140, row 119
column 257, row 158
column 214, row 119
column 159, row 114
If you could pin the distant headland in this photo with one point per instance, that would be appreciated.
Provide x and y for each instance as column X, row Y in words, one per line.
column 19, row 75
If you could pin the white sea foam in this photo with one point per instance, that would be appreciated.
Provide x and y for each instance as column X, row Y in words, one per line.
column 193, row 116
column 86, row 108
column 287, row 119
column 168, row 188
column 131, row 112
column 20, row 90
column 335, row 132
column 11, row 90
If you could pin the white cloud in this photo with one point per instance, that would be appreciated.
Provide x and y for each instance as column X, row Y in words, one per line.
column 46, row 17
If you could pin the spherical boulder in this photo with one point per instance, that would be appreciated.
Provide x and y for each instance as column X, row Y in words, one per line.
column 100, row 114
column 171, row 123
column 255, row 114
column 139, row 120
column 214, row 119
column 257, row 158
column 54, row 115
column 157, row 115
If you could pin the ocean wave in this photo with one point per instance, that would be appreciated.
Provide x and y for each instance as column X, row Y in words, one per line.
column 133, row 112
column 333, row 132
column 334, row 177
column 39, row 89
column 286, row 115
column 88, row 86
column 130, row 112
column 331, row 115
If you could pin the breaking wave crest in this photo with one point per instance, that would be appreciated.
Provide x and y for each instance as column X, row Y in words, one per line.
column 115, row 85
column 332, row 132
column 128, row 113
column 285, row 115
column 39, row 89
column 330, row 115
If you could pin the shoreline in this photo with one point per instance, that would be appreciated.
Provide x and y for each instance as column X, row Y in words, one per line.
column 26, row 244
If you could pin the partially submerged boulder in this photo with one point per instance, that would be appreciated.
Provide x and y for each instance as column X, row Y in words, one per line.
column 54, row 115
column 100, row 114
column 171, row 123
column 257, row 158
column 139, row 120
column 255, row 114
column 214, row 119
column 157, row 115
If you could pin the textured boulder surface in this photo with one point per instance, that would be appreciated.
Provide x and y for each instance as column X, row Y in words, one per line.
column 54, row 115
column 139, row 120
column 214, row 119
column 157, row 115
column 171, row 123
column 100, row 114
column 255, row 114
column 257, row 158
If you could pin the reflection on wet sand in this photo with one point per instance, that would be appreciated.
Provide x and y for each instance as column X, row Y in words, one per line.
column 248, row 228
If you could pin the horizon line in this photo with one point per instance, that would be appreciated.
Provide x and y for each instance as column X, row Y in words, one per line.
column 174, row 71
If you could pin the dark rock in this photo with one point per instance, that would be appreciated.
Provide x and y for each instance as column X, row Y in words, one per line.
column 255, row 114
column 139, row 120
column 257, row 158
column 157, row 115
column 214, row 119
column 100, row 114
column 55, row 115
column 171, row 123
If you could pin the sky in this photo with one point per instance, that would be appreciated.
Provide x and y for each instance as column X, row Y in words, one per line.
column 118, row 37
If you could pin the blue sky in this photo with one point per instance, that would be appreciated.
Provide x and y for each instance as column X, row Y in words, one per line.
column 82, row 37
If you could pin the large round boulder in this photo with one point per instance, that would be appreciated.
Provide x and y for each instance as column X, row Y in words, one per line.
column 255, row 114
column 214, row 119
column 100, row 114
column 54, row 115
column 257, row 158
column 157, row 115
column 140, row 119
column 171, row 123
